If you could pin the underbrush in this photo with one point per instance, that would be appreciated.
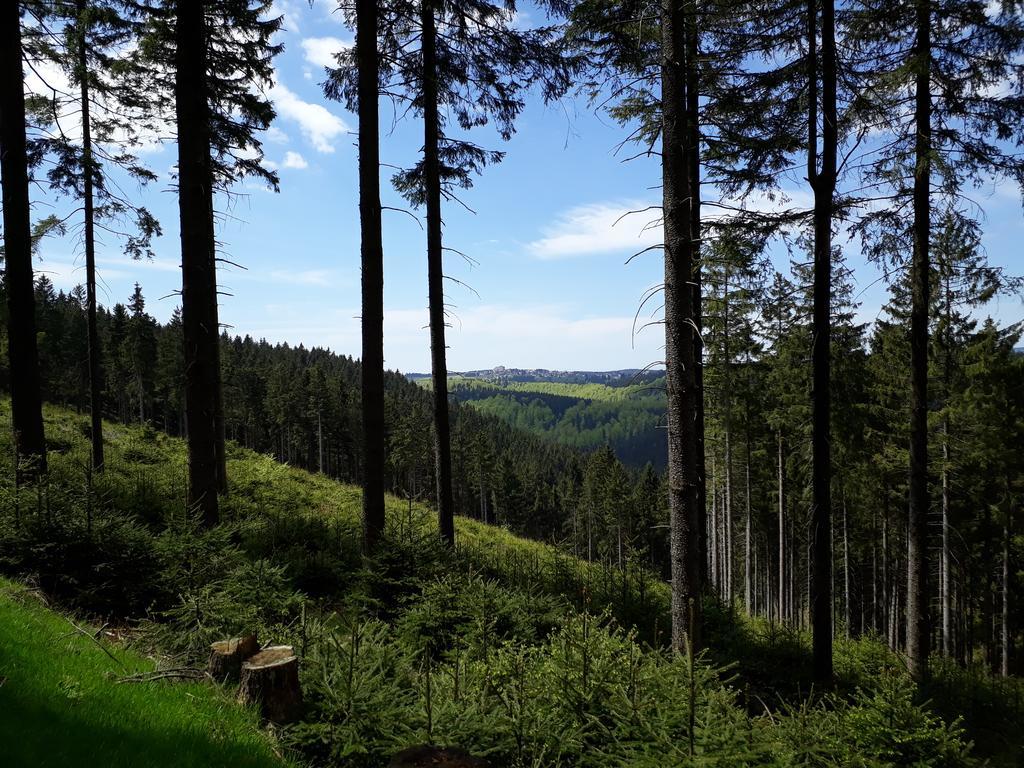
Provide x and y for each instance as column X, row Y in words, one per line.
column 507, row 647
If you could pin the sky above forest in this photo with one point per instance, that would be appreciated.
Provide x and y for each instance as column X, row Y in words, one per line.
column 547, row 285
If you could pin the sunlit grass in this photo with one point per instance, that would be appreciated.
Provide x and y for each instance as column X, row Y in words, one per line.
column 61, row 703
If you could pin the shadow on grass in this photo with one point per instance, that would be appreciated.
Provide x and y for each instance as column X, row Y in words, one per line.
column 52, row 733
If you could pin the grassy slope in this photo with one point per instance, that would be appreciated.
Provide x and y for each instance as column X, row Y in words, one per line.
column 60, row 704
column 152, row 467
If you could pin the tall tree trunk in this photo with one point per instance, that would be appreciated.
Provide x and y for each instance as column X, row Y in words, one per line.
column 198, row 283
column 727, row 521
column 92, row 332
column 716, row 580
column 823, row 183
column 372, row 258
column 752, row 606
column 874, row 587
column 887, row 616
column 947, row 378
column 846, row 570
column 987, row 587
column 219, row 425
column 219, row 421
column 680, row 332
column 435, row 278
column 696, row 281
column 746, row 530
column 944, row 573
column 782, row 531
column 1004, row 665
column 727, row 425
column 23, row 354
column 917, row 523
column 791, row 609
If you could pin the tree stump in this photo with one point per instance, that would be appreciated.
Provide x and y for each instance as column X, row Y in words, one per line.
column 226, row 656
column 427, row 756
column 270, row 680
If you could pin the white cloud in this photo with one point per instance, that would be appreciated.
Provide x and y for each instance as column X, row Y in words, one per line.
column 317, row 124
column 320, row 51
column 276, row 135
column 294, row 160
column 599, row 228
column 629, row 226
column 287, row 9
column 792, row 200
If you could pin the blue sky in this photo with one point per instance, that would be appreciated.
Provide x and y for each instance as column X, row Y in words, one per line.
column 553, row 287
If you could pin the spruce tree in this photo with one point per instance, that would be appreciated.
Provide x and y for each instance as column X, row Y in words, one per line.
column 198, row 285
column 22, row 350
column 112, row 105
column 732, row 275
column 219, row 109
column 372, row 253
column 961, row 63
column 822, row 175
column 963, row 282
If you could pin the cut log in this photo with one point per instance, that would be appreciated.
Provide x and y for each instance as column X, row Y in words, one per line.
column 270, row 681
column 226, row 656
column 427, row 756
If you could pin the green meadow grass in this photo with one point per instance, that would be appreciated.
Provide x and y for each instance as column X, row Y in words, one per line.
column 61, row 704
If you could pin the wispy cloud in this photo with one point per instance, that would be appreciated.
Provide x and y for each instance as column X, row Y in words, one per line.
column 629, row 226
column 624, row 226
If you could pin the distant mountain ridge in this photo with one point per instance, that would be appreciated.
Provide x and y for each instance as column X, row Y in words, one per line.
column 500, row 374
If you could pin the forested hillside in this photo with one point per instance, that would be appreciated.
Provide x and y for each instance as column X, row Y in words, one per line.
column 583, row 415
column 302, row 406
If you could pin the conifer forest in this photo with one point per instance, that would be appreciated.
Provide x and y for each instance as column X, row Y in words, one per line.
column 793, row 536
